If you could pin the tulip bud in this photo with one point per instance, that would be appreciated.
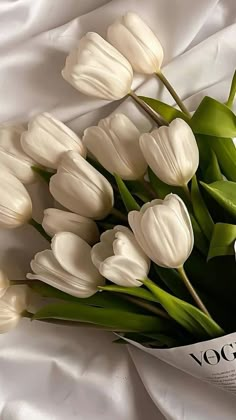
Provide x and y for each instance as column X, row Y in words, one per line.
column 68, row 266
column 97, row 69
column 56, row 221
column 136, row 41
column 15, row 202
column 163, row 229
column 4, row 283
column 115, row 144
column 48, row 138
column 171, row 152
column 12, row 305
column 81, row 188
column 119, row 258
column 12, row 156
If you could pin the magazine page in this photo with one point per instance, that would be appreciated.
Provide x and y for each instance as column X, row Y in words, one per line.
column 213, row 361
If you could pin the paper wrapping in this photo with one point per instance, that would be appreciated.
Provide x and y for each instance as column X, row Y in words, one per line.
column 213, row 361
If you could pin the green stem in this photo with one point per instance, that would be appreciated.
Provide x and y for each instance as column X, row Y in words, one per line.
column 192, row 291
column 117, row 213
column 173, row 93
column 40, row 229
column 187, row 192
column 146, row 305
column 146, row 108
column 148, row 188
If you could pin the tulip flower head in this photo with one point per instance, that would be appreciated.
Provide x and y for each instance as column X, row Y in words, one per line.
column 119, row 258
column 115, row 144
column 48, row 138
column 12, row 306
column 15, row 202
column 136, row 41
column 12, row 156
column 4, row 283
column 171, row 152
column 67, row 266
column 164, row 231
column 81, row 188
column 97, row 69
column 56, row 221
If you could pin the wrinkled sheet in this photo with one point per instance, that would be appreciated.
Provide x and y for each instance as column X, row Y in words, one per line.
column 50, row 372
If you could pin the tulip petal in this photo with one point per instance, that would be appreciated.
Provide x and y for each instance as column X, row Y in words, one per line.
column 175, row 203
column 97, row 69
column 81, row 188
column 15, row 202
column 56, row 221
column 48, row 138
column 74, row 255
column 136, row 41
column 122, row 271
column 48, row 270
column 167, row 236
column 171, row 152
column 135, row 218
column 12, row 304
column 126, row 245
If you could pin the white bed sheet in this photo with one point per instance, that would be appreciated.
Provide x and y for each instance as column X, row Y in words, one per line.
column 50, row 372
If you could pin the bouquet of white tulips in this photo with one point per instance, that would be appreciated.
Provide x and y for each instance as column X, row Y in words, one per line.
column 142, row 241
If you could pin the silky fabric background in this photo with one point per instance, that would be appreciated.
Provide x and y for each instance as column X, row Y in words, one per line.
column 50, row 372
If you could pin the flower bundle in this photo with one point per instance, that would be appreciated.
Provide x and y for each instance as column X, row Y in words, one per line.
column 143, row 241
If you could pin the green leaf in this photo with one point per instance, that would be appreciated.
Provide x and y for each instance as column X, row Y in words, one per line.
column 232, row 91
column 103, row 300
column 137, row 188
column 225, row 151
column 215, row 277
column 169, row 113
column 139, row 292
column 212, row 172
column 222, row 241
column 128, row 200
column 214, row 119
column 191, row 318
column 162, row 189
column 224, row 192
column 110, row 318
column 200, row 210
column 173, row 281
column 200, row 241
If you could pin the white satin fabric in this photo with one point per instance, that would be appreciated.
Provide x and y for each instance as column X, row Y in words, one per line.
column 54, row 373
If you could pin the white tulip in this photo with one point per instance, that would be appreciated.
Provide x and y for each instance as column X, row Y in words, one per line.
column 56, row 221
column 136, row 41
column 12, row 156
column 171, row 152
column 97, row 69
column 48, row 138
column 163, row 229
column 4, row 283
column 15, row 202
column 68, row 266
column 81, row 188
column 115, row 144
column 119, row 258
column 12, row 306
